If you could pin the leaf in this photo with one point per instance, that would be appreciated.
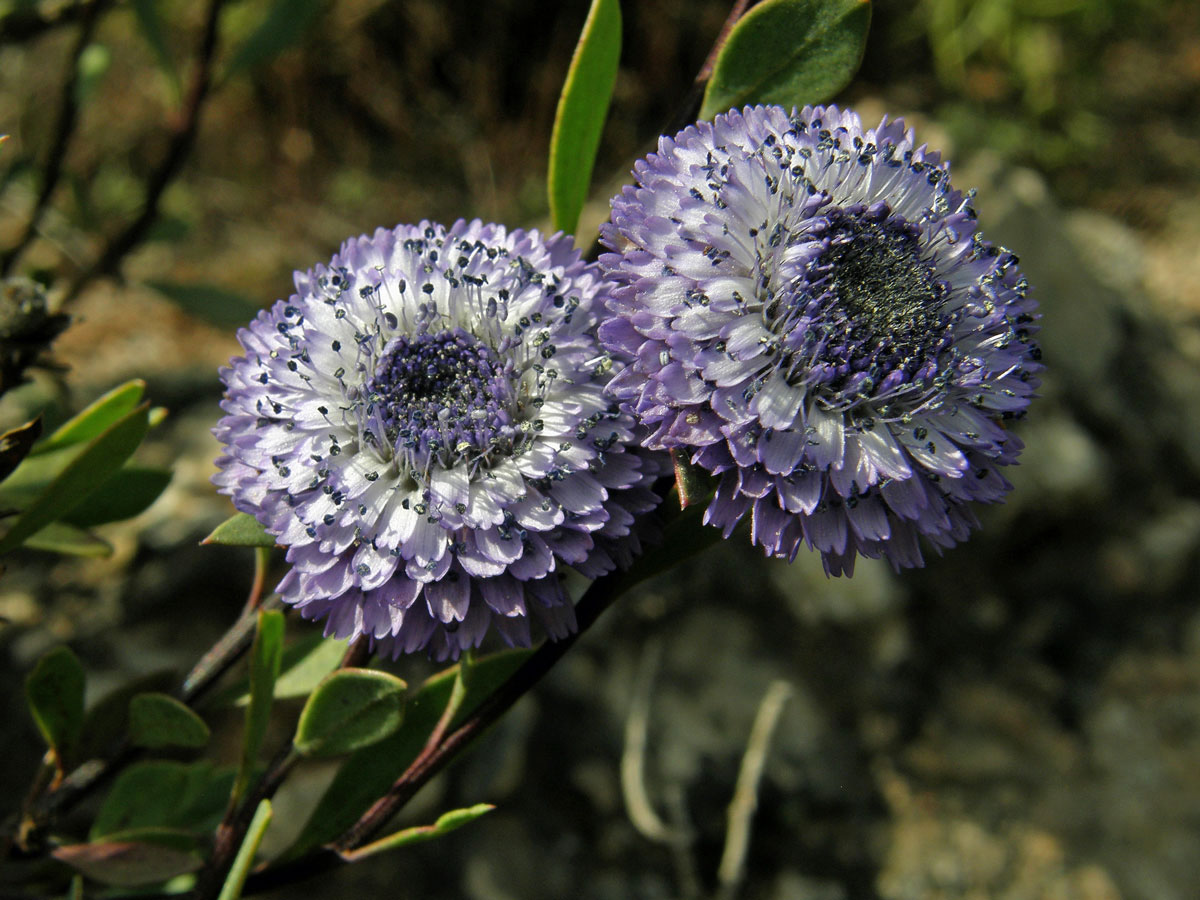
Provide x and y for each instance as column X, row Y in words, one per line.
column 15, row 445
column 582, row 109
column 265, row 656
column 368, row 773
column 212, row 303
column 236, row 879
column 240, row 530
column 127, row 493
column 305, row 663
column 350, row 709
column 103, row 455
column 692, row 484
column 58, row 537
column 283, row 27
column 54, row 692
column 107, row 720
column 446, row 823
column 150, row 25
column 128, row 863
column 96, row 418
column 164, row 794
column 92, row 67
column 159, row 720
column 788, row 52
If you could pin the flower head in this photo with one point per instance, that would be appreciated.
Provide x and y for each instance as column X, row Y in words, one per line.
column 424, row 425
column 809, row 313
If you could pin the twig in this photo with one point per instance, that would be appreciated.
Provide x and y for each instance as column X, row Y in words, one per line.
column 64, row 128
column 183, row 136
column 633, row 759
column 745, row 794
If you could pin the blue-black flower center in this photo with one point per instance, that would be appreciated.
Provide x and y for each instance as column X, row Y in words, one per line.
column 881, row 306
column 442, row 396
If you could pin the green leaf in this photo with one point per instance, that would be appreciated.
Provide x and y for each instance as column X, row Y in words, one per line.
column 164, row 794
column 240, row 530
column 368, row 773
column 350, row 709
column 96, row 418
column 58, row 537
column 127, row 493
column 305, row 664
column 100, row 459
column 159, row 720
column 283, row 27
column 150, row 25
column 692, row 484
column 236, row 879
column 209, row 302
column 128, row 863
column 788, row 52
column 15, row 445
column 582, row 109
column 107, row 720
column 265, row 656
column 446, row 823
column 54, row 692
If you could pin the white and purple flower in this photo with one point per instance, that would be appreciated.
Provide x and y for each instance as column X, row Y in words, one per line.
column 807, row 311
column 424, row 425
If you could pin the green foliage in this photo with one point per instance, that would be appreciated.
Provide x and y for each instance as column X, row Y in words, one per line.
column 349, row 710
column 305, row 663
column 59, row 537
column 81, row 475
column 93, row 66
column 266, row 655
column 236, row 879
column 159, row 720
column 142, row 858
column 100, row 415
column 368, row 773
column 187, row 797
column 240, row 530
column 582, row 109
column 150, row 25
column 788, row 52
column 127, row 493
column 54, row 693
column 445, row 823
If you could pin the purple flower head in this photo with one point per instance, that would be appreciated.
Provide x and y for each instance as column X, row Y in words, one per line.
column 808, row 312
column 424, row 425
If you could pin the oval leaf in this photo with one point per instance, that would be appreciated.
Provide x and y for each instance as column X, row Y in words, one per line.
column 54, row 691
column 788, row 52
column 352, row 708
column 58, row 537
column 128, row 863
column 368, row 773
column 582, row 109
column 100, row 459
column 241, row 530
column 159, row 720
column 127, row 493
column 98, row 416
column 164, row 794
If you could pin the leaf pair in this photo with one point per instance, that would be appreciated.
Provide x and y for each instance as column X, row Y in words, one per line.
column 786, row 52
column 77, row 478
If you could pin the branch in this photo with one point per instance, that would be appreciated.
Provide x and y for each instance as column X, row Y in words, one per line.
column 64, row 128
column 183, row 136
column 23, row 25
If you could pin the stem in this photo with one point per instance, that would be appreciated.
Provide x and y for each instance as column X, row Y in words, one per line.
column 601, row 595
column 183, row 136
column 64, row 129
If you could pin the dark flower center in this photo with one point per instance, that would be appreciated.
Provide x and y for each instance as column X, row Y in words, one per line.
column 444, row 395
column 877, row 323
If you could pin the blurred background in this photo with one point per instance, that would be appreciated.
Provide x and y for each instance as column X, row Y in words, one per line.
column 1020, row 719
